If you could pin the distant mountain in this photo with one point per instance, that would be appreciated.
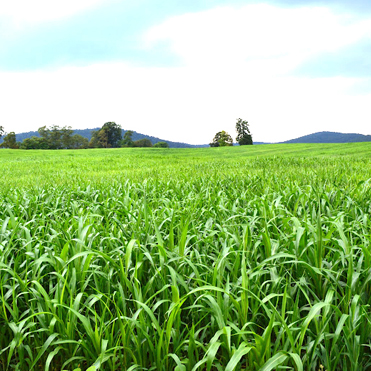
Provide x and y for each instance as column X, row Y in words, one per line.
column 136, row 136
column 330, row 137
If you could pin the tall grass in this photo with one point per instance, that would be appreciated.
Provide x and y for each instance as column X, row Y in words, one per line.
column 211, row 263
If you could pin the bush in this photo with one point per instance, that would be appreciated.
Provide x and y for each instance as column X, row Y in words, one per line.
column 161, row 145
column 143, row 143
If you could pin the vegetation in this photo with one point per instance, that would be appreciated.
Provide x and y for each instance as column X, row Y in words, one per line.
column 34, row 143
column 10, row 141
column 244, row 136
column 142, row 143
column 87, row 133
column 127, row 141
column 77, row 141
column 141, row 259
column 322, row 137
column 108, row 136
column 56, row 137
column 161, row 145
column 53, row 137
column 222, row 139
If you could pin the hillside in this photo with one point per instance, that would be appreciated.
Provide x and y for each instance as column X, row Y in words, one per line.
column 136, row 136
column 331, row 137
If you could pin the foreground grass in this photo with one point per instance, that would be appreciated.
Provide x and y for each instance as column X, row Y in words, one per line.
column 252, row 258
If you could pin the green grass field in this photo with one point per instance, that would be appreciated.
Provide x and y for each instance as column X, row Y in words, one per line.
column 242, row 258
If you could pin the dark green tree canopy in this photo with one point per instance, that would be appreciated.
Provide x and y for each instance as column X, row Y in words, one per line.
column 94, row 141
column 1, row 131
column 143, row 143
column 222, row 139
column 57, row 137
column 127, row 141
column 34, row 143
column 161, row 145
column 108, row 136
column 244, row 136
column 113, row 132
column 10, row 141
column 78, row 142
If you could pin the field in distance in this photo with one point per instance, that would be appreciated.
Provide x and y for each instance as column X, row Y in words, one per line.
column 98, row 166
column 242, row 258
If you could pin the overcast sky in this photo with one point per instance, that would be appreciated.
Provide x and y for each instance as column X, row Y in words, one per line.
column 184, row 70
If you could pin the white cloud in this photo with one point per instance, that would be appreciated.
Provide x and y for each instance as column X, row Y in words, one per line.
column 21, row 12
column 227, row 36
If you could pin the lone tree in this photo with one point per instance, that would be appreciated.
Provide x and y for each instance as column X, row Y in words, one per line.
column 108, row 136
column 222, row 139
column 114, row 133
column 244, row 136
column 127, row 141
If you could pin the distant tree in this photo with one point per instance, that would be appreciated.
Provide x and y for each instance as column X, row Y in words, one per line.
column 127, row 141
column 161, row 145
column 34, row 143
column 78, row 142
column 1, row 131
column 94, row 141
column 113, row 132
column 103, row 138
column 108, row 136
column 99, row 139
column 52, row 136
column 66, row 137
column 143, row 143
column 244, row 136
column 222, row 139
column 56, row 137
column 10, row 141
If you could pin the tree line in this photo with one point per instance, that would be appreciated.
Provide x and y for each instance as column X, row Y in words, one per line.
column 55, row 137
column 244, row 137
column 108, row 136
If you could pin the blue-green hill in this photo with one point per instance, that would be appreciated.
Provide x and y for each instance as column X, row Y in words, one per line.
column 331, row 137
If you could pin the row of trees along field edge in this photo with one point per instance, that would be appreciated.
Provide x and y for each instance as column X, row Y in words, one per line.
column 55, row 137
column 109, row 136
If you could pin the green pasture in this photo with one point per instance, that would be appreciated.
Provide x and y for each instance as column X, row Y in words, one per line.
column 35, row 168
column 243, row 258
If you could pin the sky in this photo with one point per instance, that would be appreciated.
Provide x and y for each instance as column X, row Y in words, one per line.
column 184, row 70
